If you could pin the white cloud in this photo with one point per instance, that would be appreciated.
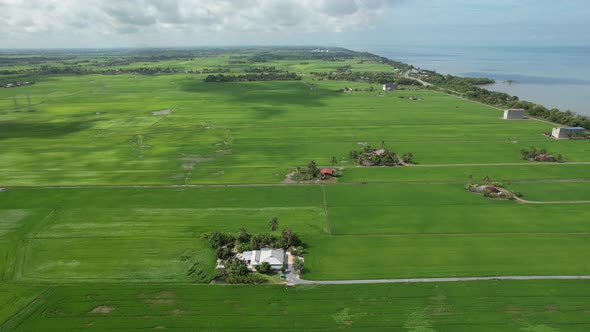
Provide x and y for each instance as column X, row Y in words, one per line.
column 29, row 17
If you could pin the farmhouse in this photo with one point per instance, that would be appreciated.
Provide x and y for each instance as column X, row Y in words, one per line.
column 389, row 86
column 327, row 171
column 514, row 114
column 567, row 132
column 274, row 257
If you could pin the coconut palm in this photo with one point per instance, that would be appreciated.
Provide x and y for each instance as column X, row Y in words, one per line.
column 273, row 223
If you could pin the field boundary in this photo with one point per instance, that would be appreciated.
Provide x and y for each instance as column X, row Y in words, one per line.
column 26, row 307
column 328, row 224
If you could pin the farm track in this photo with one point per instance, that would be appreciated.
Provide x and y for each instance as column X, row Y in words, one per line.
column 294, row 280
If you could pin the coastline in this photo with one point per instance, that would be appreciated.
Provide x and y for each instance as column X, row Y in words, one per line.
column 555, row 77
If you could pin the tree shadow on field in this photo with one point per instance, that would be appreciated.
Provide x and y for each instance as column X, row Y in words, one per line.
column 267, row 93
column 14, row 129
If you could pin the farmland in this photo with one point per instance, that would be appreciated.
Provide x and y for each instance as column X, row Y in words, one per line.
column 508, row 306
column 109, row 182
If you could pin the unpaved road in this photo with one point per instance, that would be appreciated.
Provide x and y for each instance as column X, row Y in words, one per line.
column 293, row 280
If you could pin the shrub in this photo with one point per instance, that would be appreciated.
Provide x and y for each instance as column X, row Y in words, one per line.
column 263, row 268
column 219, row 239
column 223, row 253
column 298, row 265
column 250, row 278
column 241, row 247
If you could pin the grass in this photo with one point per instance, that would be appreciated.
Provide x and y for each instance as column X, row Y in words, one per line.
column 473, row 306
column 100, row 130
column 572, row 191
column 418, row 256
column 139, row 234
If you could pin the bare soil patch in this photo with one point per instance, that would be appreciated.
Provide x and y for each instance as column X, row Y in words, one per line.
column 102, row 309
column 176, row 312
column 195, row 158
column 163, row 112
column 551, row 308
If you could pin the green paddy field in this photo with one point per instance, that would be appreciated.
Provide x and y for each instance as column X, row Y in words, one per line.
column 109, row 182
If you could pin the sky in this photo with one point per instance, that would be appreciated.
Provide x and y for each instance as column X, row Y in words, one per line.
column 348, row 23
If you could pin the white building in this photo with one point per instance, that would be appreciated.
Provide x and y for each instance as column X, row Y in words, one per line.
column 389, row 86
column 514, row 114
column 274, row 257
column 567, row 132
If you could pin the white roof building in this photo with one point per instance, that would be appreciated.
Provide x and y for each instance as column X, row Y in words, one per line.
column 514, row 114
column 389, row 86
column 274, row 257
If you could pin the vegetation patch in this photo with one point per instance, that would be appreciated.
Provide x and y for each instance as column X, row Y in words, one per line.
column 369, row 156
column 102, row 309
column 491, row 189
column 534, row 154
column 312, row 172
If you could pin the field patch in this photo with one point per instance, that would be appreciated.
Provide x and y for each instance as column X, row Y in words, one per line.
column 563, row 191
column 416, row 256
column 10, row 220
column 131, row 260
column 474, row 306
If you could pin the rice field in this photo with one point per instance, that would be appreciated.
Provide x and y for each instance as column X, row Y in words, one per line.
column 108, row 184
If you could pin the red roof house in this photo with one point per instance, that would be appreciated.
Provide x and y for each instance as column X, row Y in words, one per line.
column 327, row 171
column 493, row 189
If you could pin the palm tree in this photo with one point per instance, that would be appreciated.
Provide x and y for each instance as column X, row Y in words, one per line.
column 273, row 223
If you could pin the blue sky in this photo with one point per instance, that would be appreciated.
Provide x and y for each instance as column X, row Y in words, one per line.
column 132, row 23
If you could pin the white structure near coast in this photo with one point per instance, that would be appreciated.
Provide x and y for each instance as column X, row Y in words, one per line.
column 568, row 132
column 389, row 86
column 514, row 114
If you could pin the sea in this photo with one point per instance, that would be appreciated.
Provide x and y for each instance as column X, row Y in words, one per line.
column 555, row 77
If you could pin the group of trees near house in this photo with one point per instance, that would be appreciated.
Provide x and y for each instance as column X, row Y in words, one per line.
column 369, row 156
column 345, row 74
column 535, row 154
column 226, row 244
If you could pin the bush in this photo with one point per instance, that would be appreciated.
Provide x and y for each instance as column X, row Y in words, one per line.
column 219, row 239
column 223, row 253
column 250, row 278
column 241, row 247
column 263, row 268
column 298, row 265
column 236, row 268
column 296, row 251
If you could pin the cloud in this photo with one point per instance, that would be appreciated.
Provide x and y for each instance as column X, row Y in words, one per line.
column 26, row 17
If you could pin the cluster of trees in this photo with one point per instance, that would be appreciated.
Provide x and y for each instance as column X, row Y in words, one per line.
column 369, row 156
column 226, row 243
column 278, row 76
column 491, row 189
column 467, row 86
column 367, row 77
column 335, row 54
column 535, row 154
column 311, row 172
column 262, row 69
column 236, row 272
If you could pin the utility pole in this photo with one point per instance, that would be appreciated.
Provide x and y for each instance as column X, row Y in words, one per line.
column 16, row 108
column 30, row 108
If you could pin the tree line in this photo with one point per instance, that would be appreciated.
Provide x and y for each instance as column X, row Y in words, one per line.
column 278, row 76
column 467, row 87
